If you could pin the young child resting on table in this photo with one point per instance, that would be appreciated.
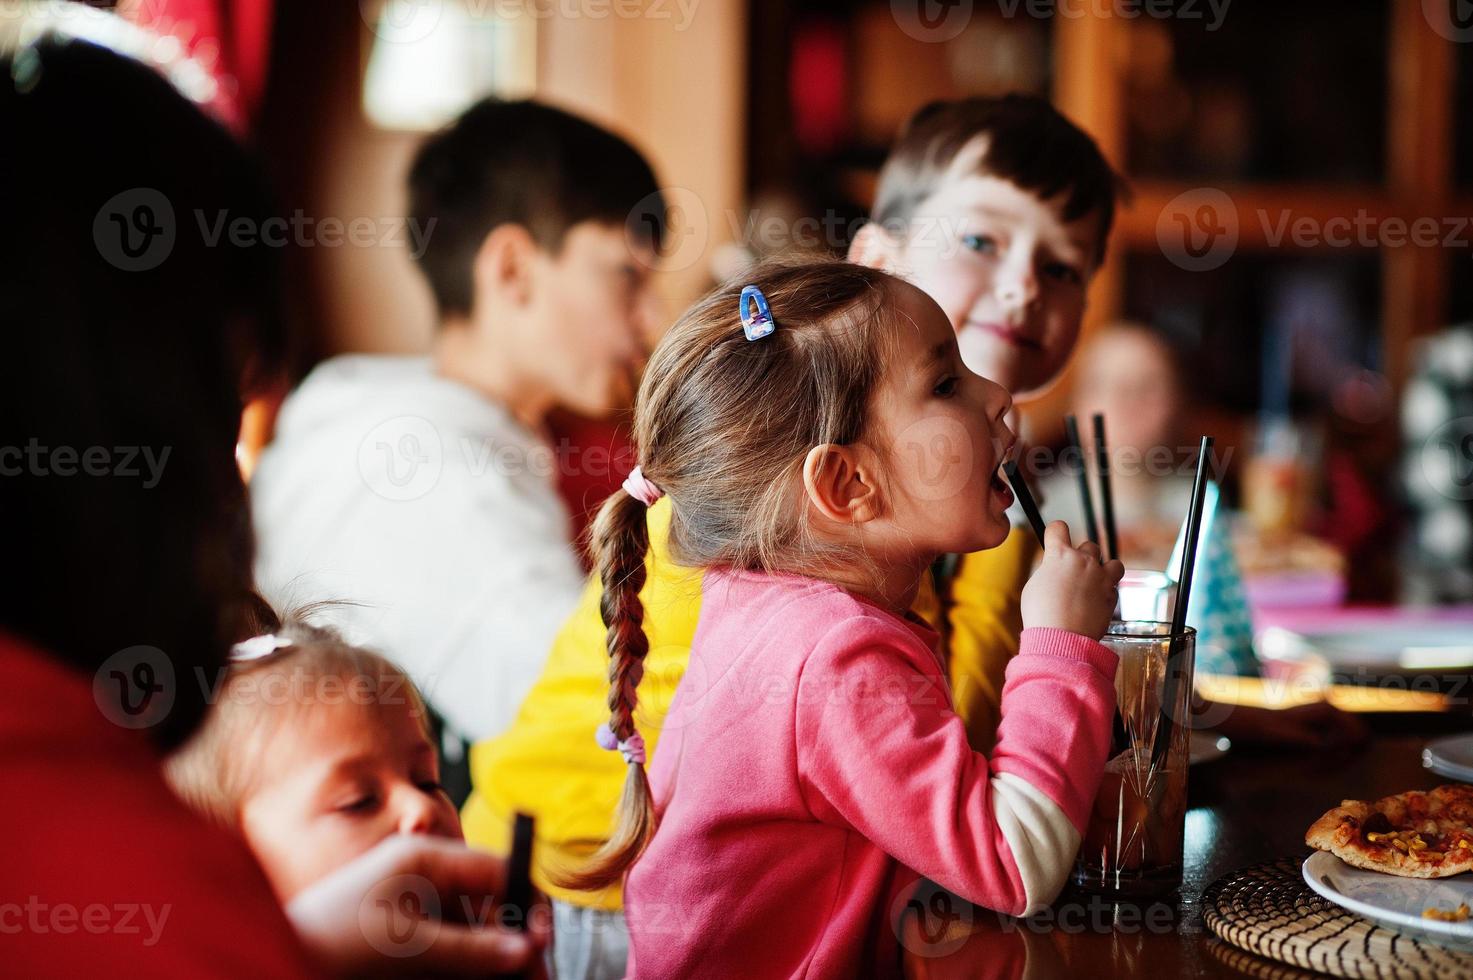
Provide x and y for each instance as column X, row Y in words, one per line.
column 812, row 767
column 314, row 751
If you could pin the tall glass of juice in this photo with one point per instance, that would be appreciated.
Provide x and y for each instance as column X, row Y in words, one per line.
column 1133, row 842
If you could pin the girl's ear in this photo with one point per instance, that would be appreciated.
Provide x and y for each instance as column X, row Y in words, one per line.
column 875, row 247
column 840, row 483
column 503, row 266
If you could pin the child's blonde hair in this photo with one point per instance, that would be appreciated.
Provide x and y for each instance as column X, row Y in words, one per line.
column 723, row 425
column 298, row 665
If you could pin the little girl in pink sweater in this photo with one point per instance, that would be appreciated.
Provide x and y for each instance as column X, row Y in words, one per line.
column 822, row 443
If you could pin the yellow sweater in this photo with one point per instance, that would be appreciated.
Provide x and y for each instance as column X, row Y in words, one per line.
column 547, row 763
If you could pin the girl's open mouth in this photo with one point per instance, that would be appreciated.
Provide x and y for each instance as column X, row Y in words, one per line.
column 1000, row 487
column 999, row 481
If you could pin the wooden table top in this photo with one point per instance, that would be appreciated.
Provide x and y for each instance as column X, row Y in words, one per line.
column 1245, row 808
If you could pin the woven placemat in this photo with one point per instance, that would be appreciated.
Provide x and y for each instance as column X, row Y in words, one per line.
column 1256, row 966
column 1268, row 909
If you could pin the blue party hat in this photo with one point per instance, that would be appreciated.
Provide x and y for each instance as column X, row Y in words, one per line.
column 1219, row 608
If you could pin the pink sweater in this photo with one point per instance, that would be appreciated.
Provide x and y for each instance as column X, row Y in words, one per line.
column 811, row 770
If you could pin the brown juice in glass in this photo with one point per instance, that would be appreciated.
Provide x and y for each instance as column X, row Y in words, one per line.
column 1133, row 841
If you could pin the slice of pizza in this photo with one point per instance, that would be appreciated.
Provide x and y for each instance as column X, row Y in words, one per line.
column 1414, row 834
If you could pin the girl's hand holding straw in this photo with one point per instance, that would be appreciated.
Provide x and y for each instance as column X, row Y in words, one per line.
column 1071, row 589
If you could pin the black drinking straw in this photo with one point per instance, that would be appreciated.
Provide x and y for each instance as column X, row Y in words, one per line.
column 1025, row 498
column 1165, row 730
column 516, row 903
column 519, row 872
column 1071, row 427
column 1107, row 499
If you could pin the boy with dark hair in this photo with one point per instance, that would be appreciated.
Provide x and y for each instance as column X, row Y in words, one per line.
column 422, row 489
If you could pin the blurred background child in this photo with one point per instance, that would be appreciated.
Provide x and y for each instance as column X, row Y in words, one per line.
column 1437, row 472
column 423, row 487
column 1129, row 373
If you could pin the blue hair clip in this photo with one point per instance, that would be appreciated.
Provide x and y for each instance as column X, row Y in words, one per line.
column 759, row 323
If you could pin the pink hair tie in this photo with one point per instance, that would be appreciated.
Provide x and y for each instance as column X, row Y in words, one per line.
column 632, row 747
column 641, row 489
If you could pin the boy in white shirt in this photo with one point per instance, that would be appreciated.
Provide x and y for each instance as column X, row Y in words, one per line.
column 421, row 489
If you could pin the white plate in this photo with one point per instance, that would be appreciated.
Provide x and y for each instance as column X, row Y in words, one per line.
column 1206, row 747
column 1451, row 757
column 1397, row 902
column 1390, row 649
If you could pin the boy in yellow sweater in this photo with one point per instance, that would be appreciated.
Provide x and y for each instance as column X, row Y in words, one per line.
column 999, row 209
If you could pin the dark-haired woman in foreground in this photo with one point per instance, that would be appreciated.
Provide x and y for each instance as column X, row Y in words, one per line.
column 128, row 555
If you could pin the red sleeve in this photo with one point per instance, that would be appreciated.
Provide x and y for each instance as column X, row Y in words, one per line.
column 105, row 872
